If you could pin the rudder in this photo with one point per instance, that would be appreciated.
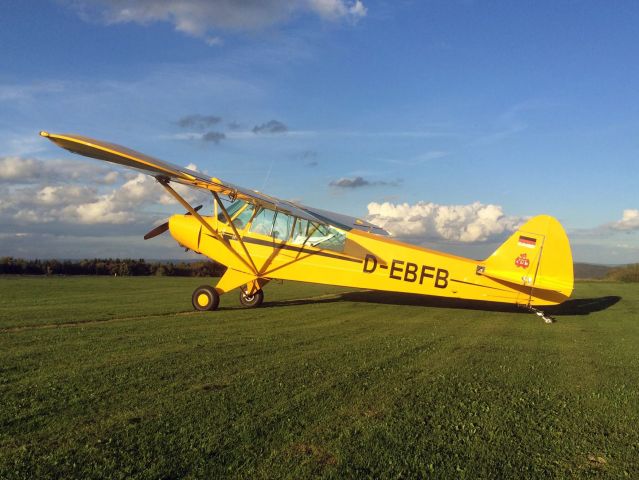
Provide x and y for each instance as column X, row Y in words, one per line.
column 538, row 258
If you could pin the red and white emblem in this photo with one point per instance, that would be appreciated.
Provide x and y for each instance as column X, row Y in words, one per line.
column 522, row 261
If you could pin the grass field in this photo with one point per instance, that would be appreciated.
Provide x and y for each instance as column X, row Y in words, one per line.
column 118, row 378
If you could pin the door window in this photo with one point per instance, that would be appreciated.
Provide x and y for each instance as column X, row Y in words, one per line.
column 263, row 222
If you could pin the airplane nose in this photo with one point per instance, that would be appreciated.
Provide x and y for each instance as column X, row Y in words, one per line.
column 185, row 229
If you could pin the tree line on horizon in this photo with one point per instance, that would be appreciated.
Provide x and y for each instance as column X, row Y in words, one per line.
column 626, row 273
column 109, row 266
column 208, row 268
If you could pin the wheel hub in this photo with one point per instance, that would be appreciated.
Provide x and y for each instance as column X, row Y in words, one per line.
column 202, row 299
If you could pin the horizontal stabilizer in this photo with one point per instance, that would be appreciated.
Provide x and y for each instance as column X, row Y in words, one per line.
column 509, row 276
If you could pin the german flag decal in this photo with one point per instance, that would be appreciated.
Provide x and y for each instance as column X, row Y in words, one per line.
column 527, row 242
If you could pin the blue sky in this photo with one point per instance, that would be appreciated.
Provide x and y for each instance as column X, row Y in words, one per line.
column 447, row 121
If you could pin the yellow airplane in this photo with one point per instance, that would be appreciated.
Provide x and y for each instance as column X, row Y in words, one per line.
column 260, row 238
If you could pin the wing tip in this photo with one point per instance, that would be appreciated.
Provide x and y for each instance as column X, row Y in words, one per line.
column 44, row 133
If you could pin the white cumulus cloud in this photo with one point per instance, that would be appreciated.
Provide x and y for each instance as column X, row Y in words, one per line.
column 20, row 170
column 123, row 204
column 629, row 220
column 202, row 18
column 16, row 168
column 426, row 221
column 73, row 193
column 55, row 195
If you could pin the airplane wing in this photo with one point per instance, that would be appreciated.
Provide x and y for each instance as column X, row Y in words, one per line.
column 162, row 170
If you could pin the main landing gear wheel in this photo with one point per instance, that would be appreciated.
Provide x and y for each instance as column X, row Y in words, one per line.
column 205, row 298
column 251, row 301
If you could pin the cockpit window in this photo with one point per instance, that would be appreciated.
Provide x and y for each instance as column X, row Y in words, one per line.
column 299, row 231
column 282, row 226
column 287, row 228
column 327, row 237
column 244, row 217
column 232, row 209
column 263, row 222
column 318, row 235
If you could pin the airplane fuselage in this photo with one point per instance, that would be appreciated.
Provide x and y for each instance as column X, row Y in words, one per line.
column 362, row 260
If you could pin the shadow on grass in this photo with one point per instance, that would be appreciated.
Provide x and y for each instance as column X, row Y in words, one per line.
column 578, row 306
column 584, row 306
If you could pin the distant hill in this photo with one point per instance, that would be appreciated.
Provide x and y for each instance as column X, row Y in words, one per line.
column 590, row 271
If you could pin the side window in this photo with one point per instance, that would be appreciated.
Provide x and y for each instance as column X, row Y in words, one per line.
column 282, row 226
column 232, row 209
column 318, row 235
column 327, row 237
column 299, row 232
column 244, row 217
column 263, row 222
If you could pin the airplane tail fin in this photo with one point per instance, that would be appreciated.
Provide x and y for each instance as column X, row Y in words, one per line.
column 536, row 257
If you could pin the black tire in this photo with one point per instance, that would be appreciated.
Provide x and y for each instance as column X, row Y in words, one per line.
column 205, row 298
column 252, row 301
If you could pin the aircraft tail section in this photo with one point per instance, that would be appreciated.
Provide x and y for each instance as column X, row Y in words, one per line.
column 538, row 259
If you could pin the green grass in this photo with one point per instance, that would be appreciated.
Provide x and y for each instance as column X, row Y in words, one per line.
column 41, row 300
column 117, row 378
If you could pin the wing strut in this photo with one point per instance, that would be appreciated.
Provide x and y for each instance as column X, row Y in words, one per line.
column 192, row 211
column 237, row 235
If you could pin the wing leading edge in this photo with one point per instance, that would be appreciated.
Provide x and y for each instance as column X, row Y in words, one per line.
column 162, row 170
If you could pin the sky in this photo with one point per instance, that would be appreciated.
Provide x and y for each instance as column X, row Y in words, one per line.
column 447, row 122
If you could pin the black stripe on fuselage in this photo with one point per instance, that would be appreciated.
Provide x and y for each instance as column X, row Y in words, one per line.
column 478, row 285
column 283, row 246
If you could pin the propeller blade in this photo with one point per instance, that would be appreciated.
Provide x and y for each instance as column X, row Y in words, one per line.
column 160, row 229
column 196, row 209
column 157, row 231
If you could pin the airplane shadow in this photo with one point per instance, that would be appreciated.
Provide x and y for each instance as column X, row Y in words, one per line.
column 301, row 301
column 578, row 306
column 583, row 306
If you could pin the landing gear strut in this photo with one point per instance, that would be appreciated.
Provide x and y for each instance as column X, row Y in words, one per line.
column 251, row 301
column 205, row 298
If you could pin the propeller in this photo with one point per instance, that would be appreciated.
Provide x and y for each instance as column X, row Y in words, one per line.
column 164, row 227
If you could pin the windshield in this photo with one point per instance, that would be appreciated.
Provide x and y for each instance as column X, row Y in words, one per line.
column 244, row 217
column 232, row 209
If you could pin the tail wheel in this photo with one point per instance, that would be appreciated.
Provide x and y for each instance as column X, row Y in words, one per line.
column 251, row 301
column 205, row 298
